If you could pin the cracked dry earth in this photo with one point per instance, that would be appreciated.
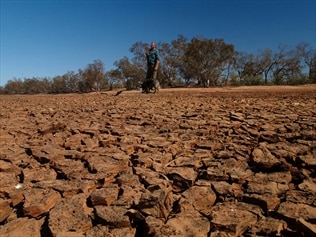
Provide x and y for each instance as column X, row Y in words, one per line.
column 183, row 162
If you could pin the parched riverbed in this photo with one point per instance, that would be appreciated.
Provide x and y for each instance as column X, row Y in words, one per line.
column 182, row 162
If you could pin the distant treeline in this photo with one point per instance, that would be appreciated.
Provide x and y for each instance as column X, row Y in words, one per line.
column 200, row 62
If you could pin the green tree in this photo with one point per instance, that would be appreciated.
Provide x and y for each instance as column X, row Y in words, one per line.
column 205, row 59
column 113, row 76
column 14, row 86
column 129, row 72
column 139, row 50
column 93, row 77
column 71, row 78
column 36, row 85
column 172, row 56
column 58, row 85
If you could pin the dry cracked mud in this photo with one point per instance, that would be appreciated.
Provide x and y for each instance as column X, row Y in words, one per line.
column 181, row 162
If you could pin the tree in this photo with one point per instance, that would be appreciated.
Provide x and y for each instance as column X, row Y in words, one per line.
column 113, row 76
column 253, row 68
column 265, row 63
column 172, row 58
column 93, row 76
column 84, row 84
column 286, row 66
column 14, row 86
column 228, row 69
column 245, row 65
column 224, row 55
column 139, row 50
column 308, row 56
column 58, row 85
column 36, row 85
column 129, row 72
column 72, row 80
column 204, row 60
column 312, row 73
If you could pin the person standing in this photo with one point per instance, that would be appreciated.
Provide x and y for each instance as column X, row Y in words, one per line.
column 152, row 56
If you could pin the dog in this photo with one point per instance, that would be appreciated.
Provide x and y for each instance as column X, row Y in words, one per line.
column 150, row 85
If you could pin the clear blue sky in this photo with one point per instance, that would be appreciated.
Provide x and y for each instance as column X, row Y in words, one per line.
column 45, row 38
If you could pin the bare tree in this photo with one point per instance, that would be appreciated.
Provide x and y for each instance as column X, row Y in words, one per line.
column 265, row 63
column 286, row 66
column 308, row 55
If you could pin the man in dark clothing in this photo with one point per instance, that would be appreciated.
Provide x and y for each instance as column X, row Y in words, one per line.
column 152, row 56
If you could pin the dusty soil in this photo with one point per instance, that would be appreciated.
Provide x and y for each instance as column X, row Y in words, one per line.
column 182, row 162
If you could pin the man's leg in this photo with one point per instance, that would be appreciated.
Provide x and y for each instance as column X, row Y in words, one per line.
column 150, row 72
column 154, row 74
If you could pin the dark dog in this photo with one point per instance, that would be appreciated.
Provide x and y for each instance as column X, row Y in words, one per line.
column 150, row 85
